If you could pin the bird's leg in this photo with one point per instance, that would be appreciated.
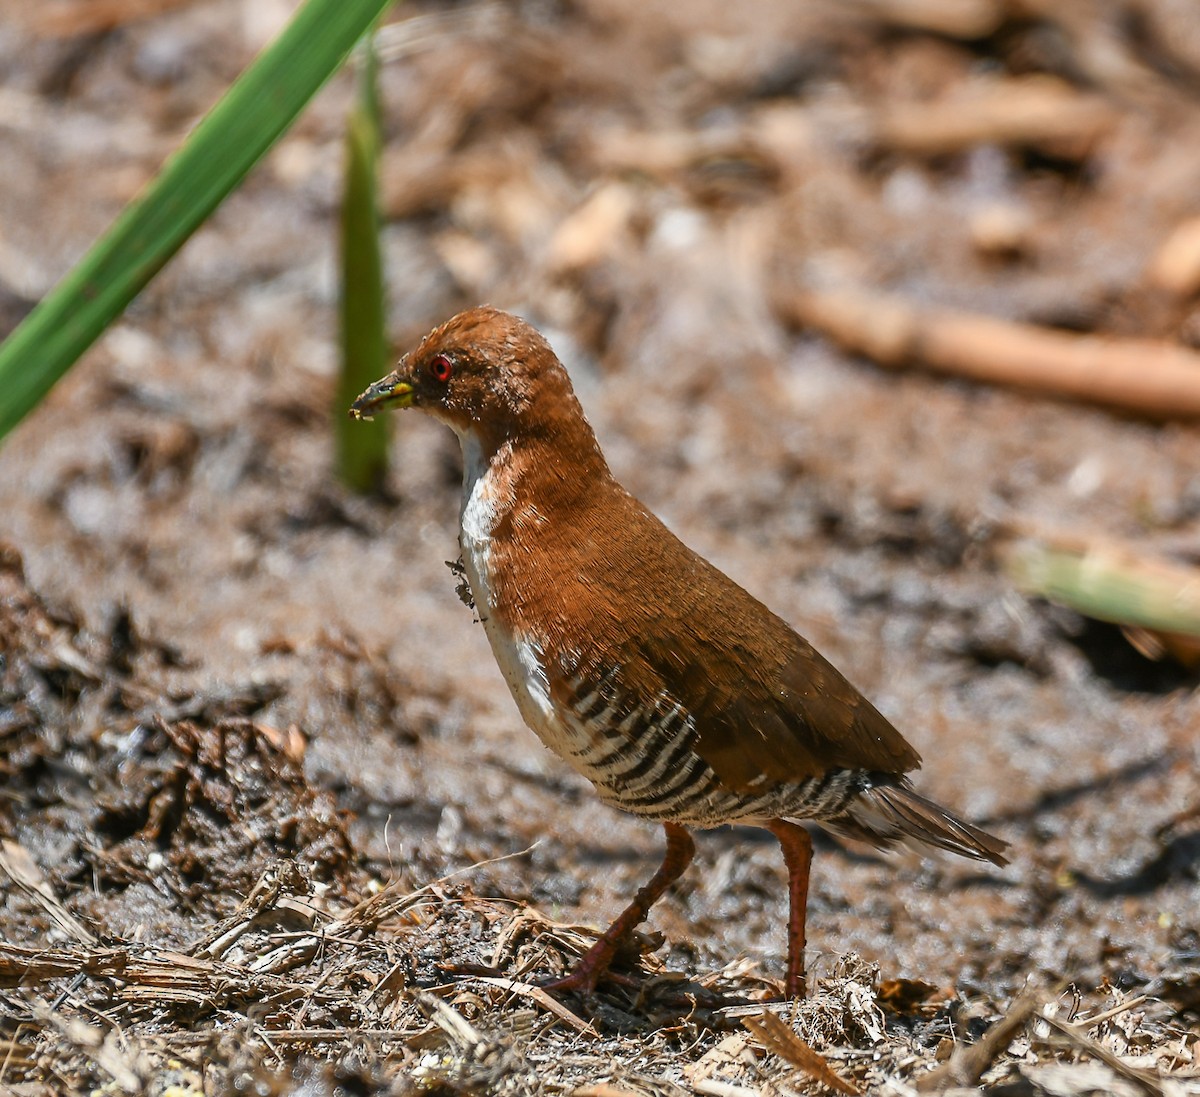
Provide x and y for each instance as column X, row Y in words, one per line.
column 797, row 855
column 594, row 963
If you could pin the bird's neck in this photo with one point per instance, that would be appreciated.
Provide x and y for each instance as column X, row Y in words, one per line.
column 533, row 474
column 522, row 496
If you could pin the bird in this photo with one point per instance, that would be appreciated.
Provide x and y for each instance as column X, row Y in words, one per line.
column 679, row 695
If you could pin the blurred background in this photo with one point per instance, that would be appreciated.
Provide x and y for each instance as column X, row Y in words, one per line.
column 888, row 307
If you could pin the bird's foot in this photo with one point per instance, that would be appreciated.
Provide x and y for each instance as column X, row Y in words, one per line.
column 575, row 983
column 584, row 979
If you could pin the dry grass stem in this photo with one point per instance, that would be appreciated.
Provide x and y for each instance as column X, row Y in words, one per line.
column 1145, row 376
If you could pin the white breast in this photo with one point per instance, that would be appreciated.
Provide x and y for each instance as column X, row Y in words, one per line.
column 486, row 499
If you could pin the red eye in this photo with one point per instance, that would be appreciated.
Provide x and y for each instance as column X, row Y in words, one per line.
column 440, row 368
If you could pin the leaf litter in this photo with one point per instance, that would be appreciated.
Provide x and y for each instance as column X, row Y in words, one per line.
column 409, row 988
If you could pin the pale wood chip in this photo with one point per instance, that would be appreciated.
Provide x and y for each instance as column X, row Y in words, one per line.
column 17, row 862
column 777, row 1037
column 536, row 994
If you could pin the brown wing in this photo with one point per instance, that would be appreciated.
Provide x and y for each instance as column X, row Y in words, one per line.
column 765, row 702
column 631, row 604
column 786, row 715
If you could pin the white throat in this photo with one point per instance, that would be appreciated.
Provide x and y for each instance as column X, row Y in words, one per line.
column 487, row 498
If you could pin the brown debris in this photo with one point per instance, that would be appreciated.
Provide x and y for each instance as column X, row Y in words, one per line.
column 904, row 996
column 776, row 1037
column 358, row 973
column 215, row 793
column 68, row 18
column 1036, row 111
column 967, row 1064
column 1145, row 1080
column 24, row 872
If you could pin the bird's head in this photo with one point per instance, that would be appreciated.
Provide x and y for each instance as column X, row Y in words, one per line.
column 482, row 372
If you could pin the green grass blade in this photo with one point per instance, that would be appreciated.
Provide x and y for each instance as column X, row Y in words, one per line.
column 362, row 446
column 217, row 155
column 1112, row 585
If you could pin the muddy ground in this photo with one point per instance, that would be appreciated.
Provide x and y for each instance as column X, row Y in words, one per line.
column 271, row 820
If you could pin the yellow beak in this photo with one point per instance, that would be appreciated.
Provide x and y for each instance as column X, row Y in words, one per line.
column 385, row 394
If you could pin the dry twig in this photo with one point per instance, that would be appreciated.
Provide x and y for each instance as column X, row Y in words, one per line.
column 967, row 1063
column 16, row 861
column 776, row 1037
column 1034, row 111
column 1151, row 1083
column 543, row 999
column 954, row 18
column 1140, row 375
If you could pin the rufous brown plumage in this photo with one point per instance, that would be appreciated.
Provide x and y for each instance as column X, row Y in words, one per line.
column 678, row 694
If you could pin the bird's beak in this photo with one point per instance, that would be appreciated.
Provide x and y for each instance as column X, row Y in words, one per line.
column 385, row 394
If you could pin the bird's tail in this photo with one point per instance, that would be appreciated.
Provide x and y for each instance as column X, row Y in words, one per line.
column 891, row 813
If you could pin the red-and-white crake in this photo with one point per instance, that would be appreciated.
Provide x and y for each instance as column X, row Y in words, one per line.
column 681, row 697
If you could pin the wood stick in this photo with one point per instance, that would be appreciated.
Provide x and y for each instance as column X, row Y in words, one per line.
column 968, row 1062
column 1025, row 111
column 1146, row 376
column 777, row 1037
column 1146, row 1080
column 955, row 18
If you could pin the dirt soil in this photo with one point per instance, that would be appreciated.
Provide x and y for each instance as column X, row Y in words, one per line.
column 271, row 822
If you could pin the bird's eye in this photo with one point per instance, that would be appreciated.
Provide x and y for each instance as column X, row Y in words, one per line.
column 440, row 368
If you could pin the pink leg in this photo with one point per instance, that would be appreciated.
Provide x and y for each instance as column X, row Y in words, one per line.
column 594, row 963
column 797, row 855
